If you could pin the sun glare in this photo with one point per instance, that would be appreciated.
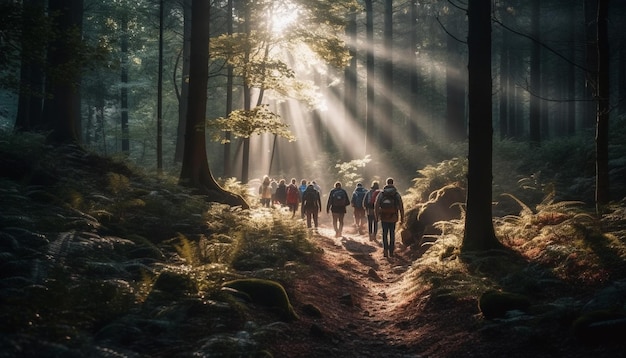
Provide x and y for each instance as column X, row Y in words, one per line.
column 283, row 16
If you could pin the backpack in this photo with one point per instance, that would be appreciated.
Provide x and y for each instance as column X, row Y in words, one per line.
column 293, row 194
column 387, row 203
column 358, row 198
column 309, row 199
column 370, row 199
column 339, row 198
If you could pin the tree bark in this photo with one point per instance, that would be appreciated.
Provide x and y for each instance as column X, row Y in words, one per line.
column 602, row 125
column 195, row 170
column 479, row 232
column 370, row 123
column 61, row 109
column 535, row 78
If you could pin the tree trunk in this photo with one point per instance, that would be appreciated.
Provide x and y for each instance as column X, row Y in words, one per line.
column 229, row 97
column 195, row 170
column 31, row 93
column 60, row 110
column 370, row 122
column 184, row 85
column 124, row 86
column 535, row 78
column 479, row 232
column 386, row 128
column 350, row 81
column 602, row 126
column 415, row 132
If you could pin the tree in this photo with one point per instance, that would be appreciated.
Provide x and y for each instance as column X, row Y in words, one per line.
column 535, row 78
column 479, row 233
column 602, row 125
column 256, row 52
column 61, row 108
column 387, row 78
column 195, row 171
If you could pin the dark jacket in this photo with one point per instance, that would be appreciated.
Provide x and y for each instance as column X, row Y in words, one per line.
column 311, row 201
column 281, row 193
column 389, row 190
column 337, row 208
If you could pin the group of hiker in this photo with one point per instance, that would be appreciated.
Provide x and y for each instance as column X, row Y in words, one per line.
column 376, row 204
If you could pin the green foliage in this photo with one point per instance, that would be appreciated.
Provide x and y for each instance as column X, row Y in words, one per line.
column 433, row 177
column 244, row 124
column 350, row 173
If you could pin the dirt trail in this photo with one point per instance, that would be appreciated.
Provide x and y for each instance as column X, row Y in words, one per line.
column 363, row 300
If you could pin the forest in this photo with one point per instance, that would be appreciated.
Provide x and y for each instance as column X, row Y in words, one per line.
column 134, row 136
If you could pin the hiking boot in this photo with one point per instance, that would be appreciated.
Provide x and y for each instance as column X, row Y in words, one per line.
column 390, row 253
column 385, row 253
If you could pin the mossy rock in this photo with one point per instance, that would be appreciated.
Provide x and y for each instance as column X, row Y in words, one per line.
column 266, row 293
column 602, row 326
column 495, row 304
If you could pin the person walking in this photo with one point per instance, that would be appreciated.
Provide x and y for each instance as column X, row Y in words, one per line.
column 359, row 210
column 302, row 188
column 337, row 202
column 265, row 192
column 281, row 193
column 368, row 203
column 293, row 197
column 388, row 205
column 311, row 205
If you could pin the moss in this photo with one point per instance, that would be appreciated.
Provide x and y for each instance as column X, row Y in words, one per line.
column 495, row 304
column 266, row 293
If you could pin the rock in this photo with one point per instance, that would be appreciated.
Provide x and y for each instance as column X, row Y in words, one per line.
column 267, row 293
column 495, row 304
column 442, row 205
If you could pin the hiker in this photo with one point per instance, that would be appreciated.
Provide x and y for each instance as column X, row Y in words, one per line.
column 265, row 192
column 337, row 202
column 281, row 193
column 311, row 205
column 388, row 204
column 293, row 197
column 317, row 187
column 302, row 188
column 274, row 186
column 359, row 210
column 368, row 203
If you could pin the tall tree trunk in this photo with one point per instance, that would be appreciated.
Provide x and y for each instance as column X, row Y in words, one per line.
column 184, row 84
column 479, row 232
column 195, row 170
column 350, row 78
column 60, row 108
column 571, row 76
column 504, row 86
column 370, row 122
column 159, row 138
column 31, row 93
column 602, row 126
column 387, row 111
column 414, row 129
column 589, row 112
column 229, row 97
column 124, row 85
column 535, row 78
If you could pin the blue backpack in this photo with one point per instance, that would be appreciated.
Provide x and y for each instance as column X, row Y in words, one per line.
column 357, row 198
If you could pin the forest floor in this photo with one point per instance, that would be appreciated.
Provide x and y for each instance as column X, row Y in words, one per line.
column 368, row 309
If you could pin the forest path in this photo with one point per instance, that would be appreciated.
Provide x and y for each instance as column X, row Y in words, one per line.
column 363, row 298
